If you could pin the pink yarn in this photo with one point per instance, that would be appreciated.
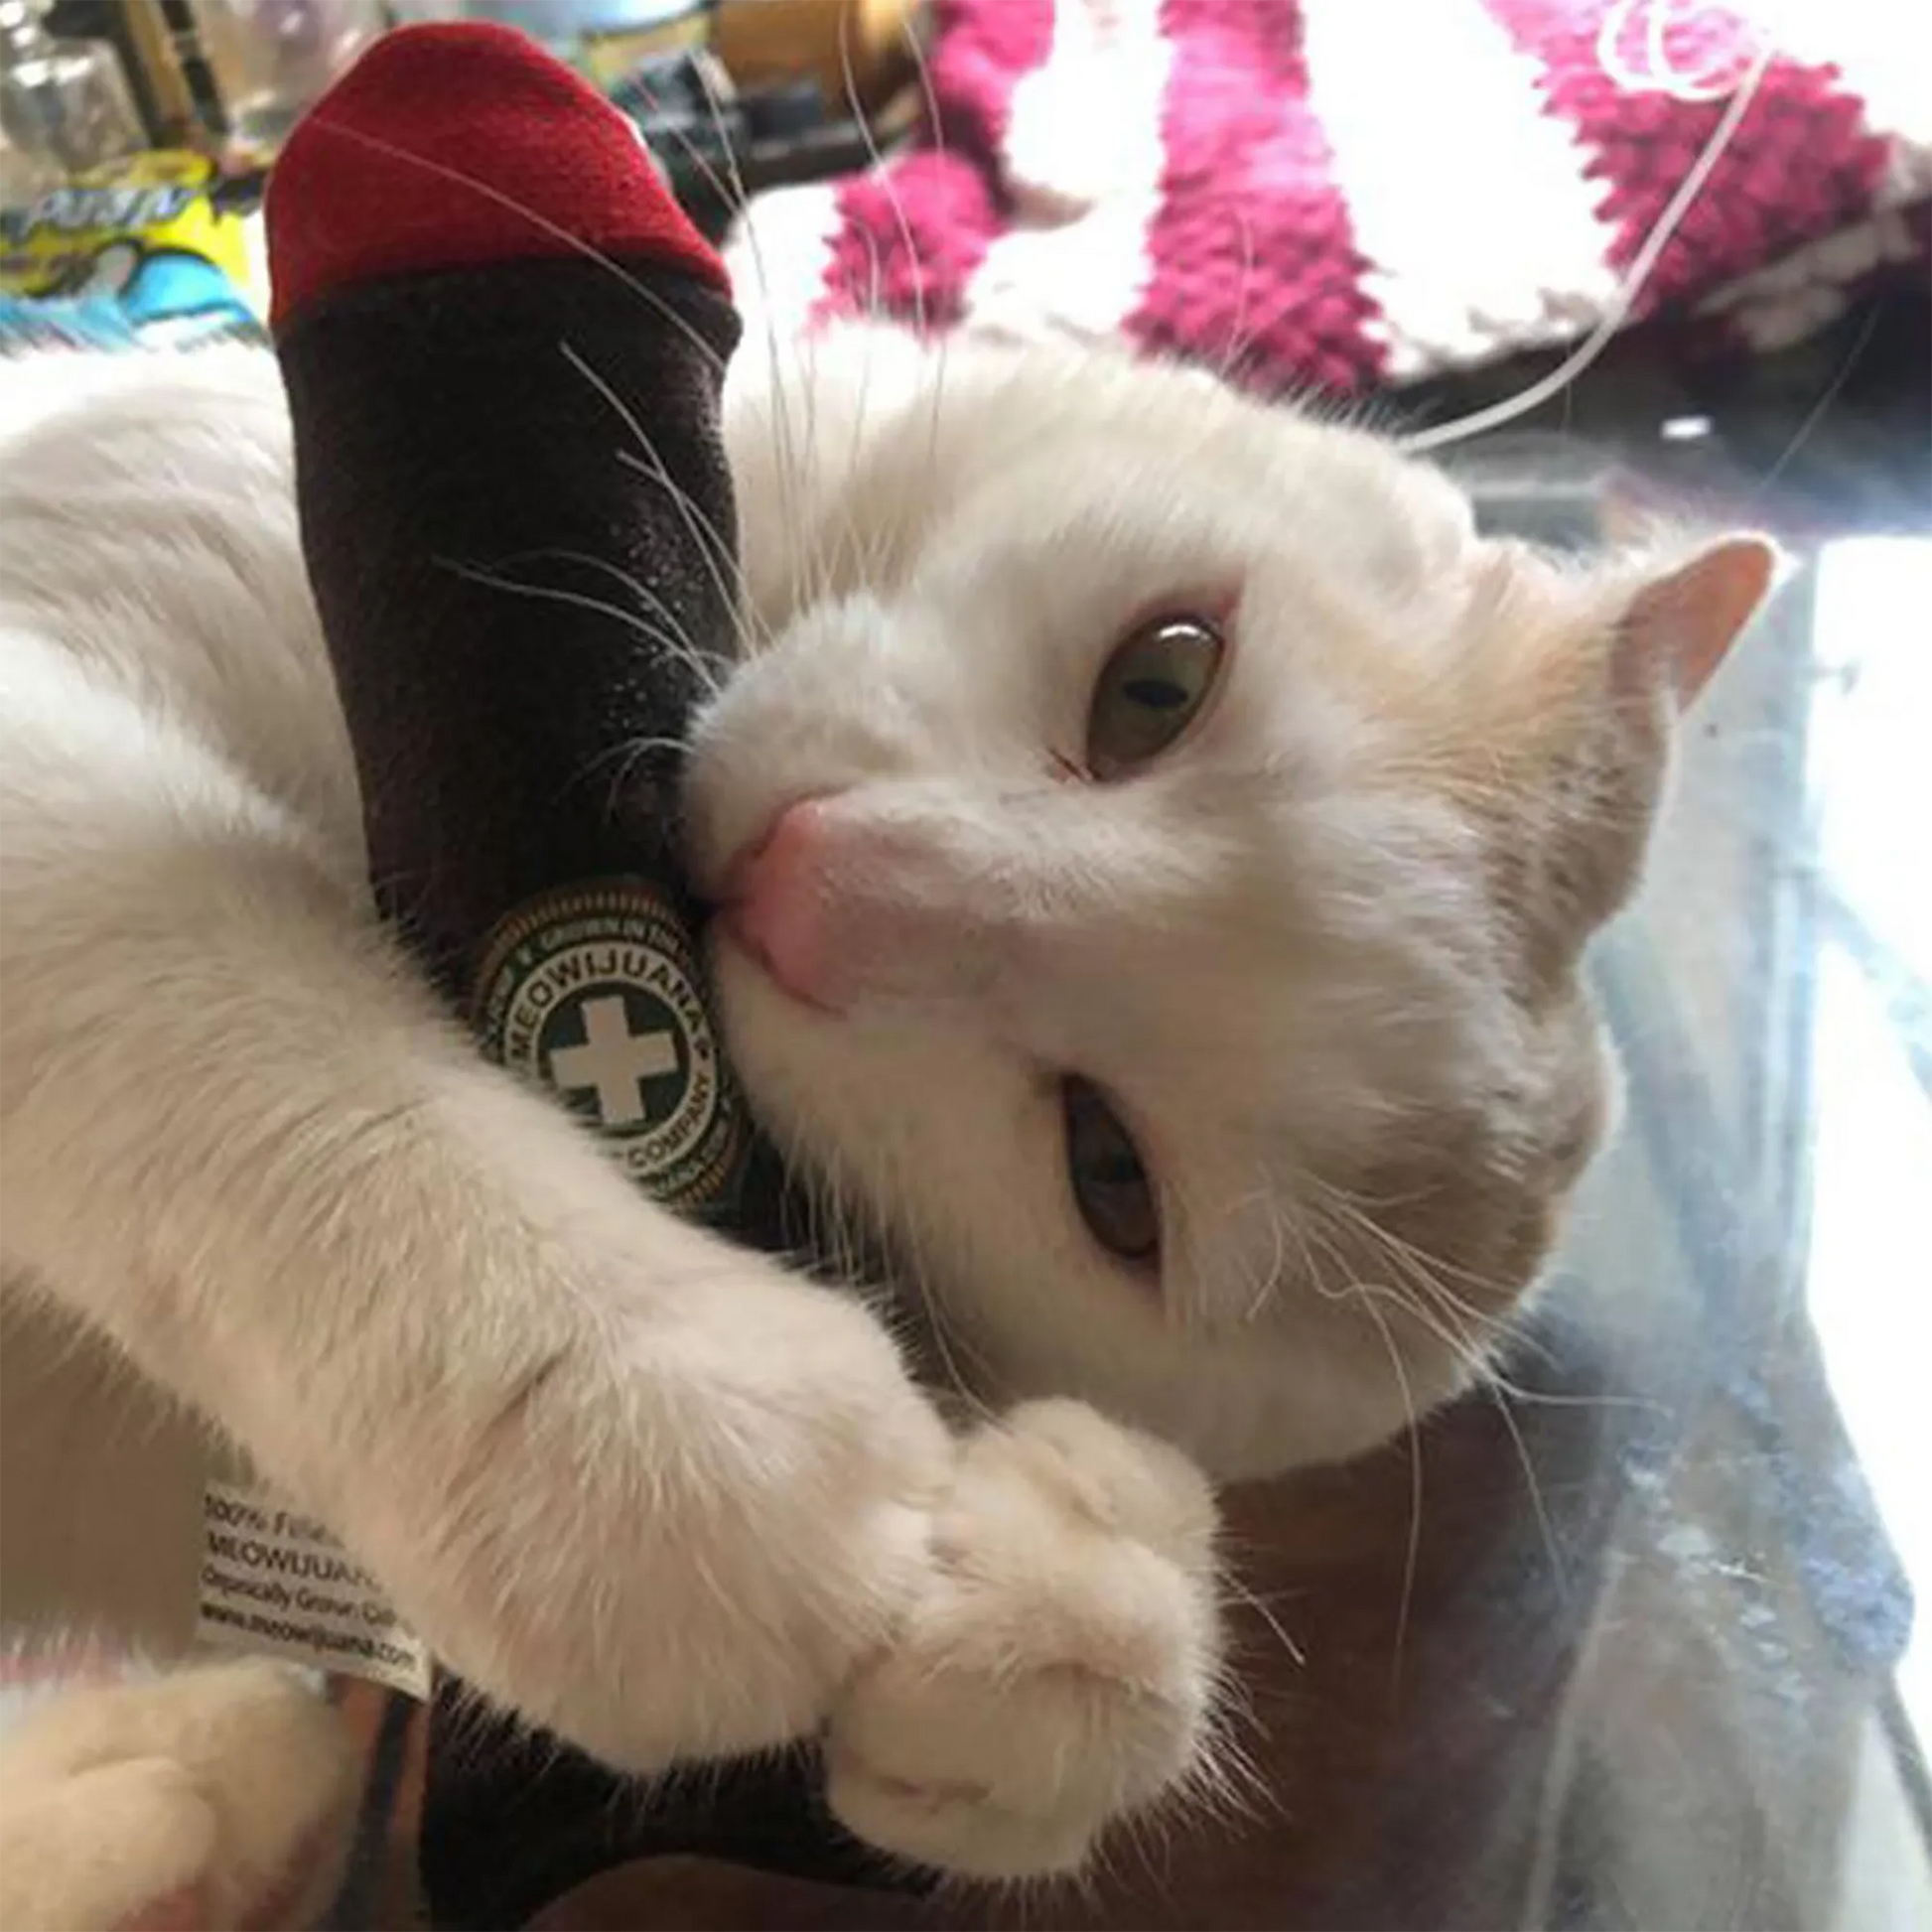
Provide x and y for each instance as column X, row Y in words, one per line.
column 1800, row 164
column 1236, row 244
column 1253, row 264
column 982, row 48
column 909, row 236
column 907, row 245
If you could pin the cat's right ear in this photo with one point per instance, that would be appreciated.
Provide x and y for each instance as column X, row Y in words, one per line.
column 1680, row 624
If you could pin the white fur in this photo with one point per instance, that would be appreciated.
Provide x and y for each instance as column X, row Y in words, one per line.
column 1266, row 948
column 640, row 1486
column 221, row 1794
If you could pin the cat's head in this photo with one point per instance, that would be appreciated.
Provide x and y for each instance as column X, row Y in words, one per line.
column 1159, row 843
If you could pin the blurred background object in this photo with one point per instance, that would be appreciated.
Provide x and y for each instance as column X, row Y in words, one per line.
column 65, row 104
column 735, row 95
column 271, row 59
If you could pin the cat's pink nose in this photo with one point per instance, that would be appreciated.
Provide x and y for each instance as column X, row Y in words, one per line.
column 780, row 906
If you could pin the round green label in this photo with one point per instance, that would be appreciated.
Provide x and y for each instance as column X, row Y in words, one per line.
column 595, row 991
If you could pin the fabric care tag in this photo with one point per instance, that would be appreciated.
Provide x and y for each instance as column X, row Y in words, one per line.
column 276, row 1583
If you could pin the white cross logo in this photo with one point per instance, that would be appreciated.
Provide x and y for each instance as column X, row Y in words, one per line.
column 614, row 1061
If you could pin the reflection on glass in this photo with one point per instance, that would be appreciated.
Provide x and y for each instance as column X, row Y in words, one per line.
column 65, row 104
column 272, row 58
column 1868, row 1268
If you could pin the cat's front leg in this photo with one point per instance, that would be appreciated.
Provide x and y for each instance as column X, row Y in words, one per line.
column 1058, row 1672
column 638, row 1484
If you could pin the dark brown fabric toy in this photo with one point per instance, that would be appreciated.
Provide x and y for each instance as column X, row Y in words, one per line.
column 503, row 343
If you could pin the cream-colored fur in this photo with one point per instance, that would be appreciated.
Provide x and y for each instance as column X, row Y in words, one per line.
column 653, row 1491
column 217, row 1796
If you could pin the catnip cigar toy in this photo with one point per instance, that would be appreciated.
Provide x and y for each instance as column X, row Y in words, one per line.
column 503, row 343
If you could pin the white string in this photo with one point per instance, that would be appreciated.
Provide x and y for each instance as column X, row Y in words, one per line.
column 1658, row 77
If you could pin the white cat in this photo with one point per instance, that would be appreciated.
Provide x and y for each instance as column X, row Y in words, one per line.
column 1156, row 837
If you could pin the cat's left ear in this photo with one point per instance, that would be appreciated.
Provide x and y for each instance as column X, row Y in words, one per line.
column 1681, row 624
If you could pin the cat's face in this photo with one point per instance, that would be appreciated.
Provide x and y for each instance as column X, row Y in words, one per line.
column 1158, row 840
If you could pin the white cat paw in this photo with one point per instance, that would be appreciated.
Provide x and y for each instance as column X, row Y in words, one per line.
column 686, row 1543
column 204, row 1798
column 1060, row 1671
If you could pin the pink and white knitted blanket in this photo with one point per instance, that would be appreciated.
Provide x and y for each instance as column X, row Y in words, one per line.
column 1352, row 193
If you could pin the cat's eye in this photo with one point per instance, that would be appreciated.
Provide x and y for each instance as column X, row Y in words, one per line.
column 1149, row 692
column 1110, row 1185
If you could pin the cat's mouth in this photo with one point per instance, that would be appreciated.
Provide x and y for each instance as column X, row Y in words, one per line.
column 743, row 936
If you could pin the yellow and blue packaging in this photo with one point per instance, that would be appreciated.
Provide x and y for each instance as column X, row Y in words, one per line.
column 139, row 250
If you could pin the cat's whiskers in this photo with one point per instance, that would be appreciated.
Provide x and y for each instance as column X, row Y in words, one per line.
column 1545, row 1525
column 1410, row 1306
column 1501, row 1332
column 1267, row 1285
column 1288, row 1227
column 1549, row 1399
column 715, row 547
column 879, row 172
column 1469, row 1321
column 711, row 674
column 1405, row 1296
column 826, row 1229
column 948, row 1345
column 1411, row 1552
column 784, row 454
column 1310, row 1238
column 934, row 120
column 1428, row 1272
column 629, row 754
column 936, row 128
column 810, row 482
column 877, row 310
column 797, row 472
column 1498, row 1393
column 852, row 537
column 1366, row 1294
column 835, row 1226
column 672, row 646
column 839, row 1228
column 868, row 549
column 909, row 1269
column 1241, row 1592
column 1227, row 367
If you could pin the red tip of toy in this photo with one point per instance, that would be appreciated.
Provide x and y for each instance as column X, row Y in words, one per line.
column 455, row 146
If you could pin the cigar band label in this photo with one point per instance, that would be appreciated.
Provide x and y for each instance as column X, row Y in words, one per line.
column 597, row 993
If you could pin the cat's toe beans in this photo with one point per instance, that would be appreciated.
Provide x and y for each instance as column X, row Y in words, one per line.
column 1108, row 1477
column 225, row 1791
column 123, row 1843
column 1059, row 1670
column 274, row 1762
column 996, row 1774
column 956, row 1828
